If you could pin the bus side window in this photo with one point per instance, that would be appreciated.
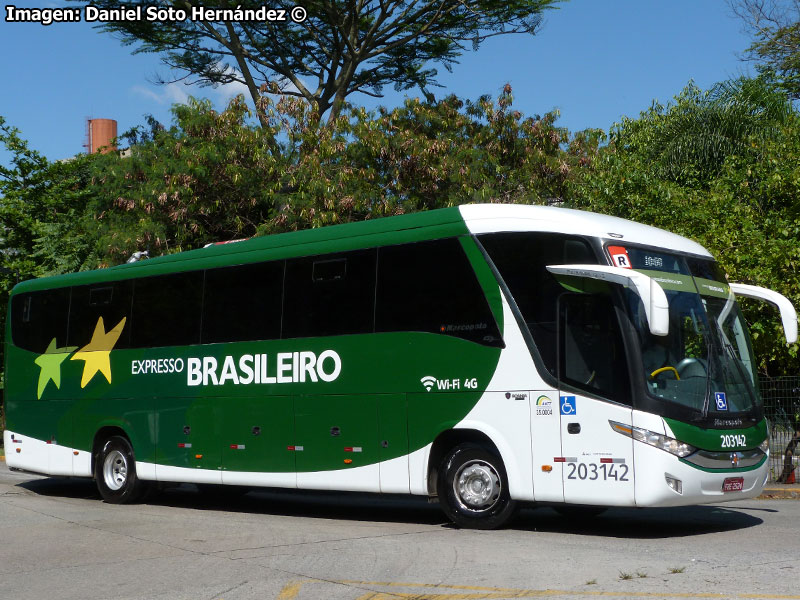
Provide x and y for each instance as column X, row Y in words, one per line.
column 109, row 301
column 38, row 317
column 243, row 303
column 329, row 295
column 592, row 355
column 166, row 310
column 522, row 258
column 431, row 287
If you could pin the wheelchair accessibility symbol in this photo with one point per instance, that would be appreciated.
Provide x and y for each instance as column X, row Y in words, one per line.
column 721, row 400
column 568, row 405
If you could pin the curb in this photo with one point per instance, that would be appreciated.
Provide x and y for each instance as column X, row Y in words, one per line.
column 780, row 493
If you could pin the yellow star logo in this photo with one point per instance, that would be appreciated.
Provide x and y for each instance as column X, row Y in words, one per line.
column 50, row 365
column 96, row 354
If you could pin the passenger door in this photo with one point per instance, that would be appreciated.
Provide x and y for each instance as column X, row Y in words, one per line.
column 597, row 461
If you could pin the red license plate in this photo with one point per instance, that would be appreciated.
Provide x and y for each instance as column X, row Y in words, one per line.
column 733, row 484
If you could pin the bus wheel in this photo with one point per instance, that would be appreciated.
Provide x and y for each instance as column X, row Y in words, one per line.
column 473, row 488
column 115, row 472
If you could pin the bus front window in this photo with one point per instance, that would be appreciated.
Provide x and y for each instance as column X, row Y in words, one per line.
column 676, row 365
column 705, row 363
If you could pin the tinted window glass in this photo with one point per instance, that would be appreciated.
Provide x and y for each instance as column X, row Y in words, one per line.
column 592, row 351
column 706, row 269
column 431, row 287
column 166, row 310
column 39, row 317
column 329, row 295
column 109, row 301
column 243, row 303
column 522, row 259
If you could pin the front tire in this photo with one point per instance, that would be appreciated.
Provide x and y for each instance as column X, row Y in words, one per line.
column 473, row 488
column 115, row 472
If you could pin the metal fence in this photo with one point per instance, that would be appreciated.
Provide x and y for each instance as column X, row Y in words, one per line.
column 782, row 408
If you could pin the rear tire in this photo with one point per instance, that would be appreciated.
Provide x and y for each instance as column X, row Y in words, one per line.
column 473, row 488
column 115, row 472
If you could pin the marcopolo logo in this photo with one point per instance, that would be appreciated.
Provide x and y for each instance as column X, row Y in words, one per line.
column 283, row 367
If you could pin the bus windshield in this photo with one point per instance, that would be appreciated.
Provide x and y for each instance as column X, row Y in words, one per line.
column 706, row 361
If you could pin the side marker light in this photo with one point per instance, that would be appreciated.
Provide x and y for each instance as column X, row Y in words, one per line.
column 675, row 484
column 547, row 468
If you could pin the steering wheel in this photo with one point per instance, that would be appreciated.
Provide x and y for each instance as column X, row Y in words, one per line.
column 663, row 369
column 693, row 367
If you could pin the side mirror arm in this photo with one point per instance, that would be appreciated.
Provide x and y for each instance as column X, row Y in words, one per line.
column 788, row 313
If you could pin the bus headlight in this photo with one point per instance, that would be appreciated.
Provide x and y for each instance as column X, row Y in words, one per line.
column 662, row 442
column 764, row 446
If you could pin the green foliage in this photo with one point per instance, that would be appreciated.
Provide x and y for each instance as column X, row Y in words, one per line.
column 338, row 50
column 210, row 177
column 42, row 208
column 775, row 28
column 213, row 176
column 421, row 156
column 742, row 204
column 688, row 141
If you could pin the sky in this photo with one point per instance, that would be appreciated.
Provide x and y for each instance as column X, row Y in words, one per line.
column 593, row 60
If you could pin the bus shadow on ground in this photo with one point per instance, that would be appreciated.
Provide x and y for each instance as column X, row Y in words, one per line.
column 633, row 523
column 294, row 503
column 640, row 523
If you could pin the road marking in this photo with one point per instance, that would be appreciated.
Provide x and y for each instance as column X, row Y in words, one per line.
column 469, row 592
column 290, row 590
column 488, row 593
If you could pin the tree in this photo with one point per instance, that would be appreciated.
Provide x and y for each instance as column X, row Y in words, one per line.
column 688, row 141
column 42, row 208
column 327, row 52
column 212, row 177
column 740, row 203
column 775, row 27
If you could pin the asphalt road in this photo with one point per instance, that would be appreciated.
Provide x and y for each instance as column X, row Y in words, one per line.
column 59, row 541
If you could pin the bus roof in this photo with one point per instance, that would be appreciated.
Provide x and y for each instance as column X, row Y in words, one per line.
column 483, row 218
column 426, row 225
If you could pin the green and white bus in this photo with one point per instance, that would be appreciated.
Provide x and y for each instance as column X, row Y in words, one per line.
column 487, row 355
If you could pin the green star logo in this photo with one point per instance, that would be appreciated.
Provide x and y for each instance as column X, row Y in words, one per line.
column 50, row 365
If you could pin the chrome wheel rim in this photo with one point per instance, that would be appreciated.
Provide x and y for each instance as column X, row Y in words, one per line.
column 477, row 486
column 115, row 470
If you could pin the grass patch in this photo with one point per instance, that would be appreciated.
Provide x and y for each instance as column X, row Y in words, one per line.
column 674, row 570
column 592, row 582
column 625, row 576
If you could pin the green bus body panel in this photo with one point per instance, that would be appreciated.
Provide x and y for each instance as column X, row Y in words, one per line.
column 711, row 439
column 377, row 403
column 247, row 449
column 367, row 402
column 388, row 231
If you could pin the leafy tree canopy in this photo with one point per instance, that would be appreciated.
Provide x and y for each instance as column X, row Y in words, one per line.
column 687, row 141
column 775, row 27
column 739, row 197
column 212, row 176
column 338, row 49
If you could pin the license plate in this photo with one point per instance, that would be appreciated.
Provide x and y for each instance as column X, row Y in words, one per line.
column 733, row 484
